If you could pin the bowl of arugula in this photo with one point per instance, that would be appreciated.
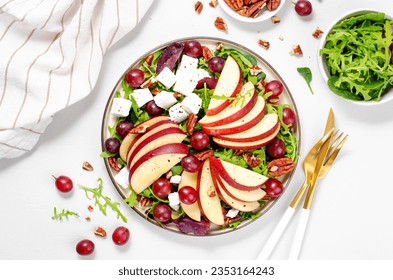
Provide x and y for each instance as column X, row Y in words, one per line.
column 355, row 57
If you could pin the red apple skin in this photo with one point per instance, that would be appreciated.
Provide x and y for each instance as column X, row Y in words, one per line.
column 246, row 145
column 220, row 170
column 234, row 117
column 263, row 132
column 213, row 131
column 154, row 137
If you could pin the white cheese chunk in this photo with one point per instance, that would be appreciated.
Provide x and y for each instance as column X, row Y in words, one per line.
column 121, row 107
column 166, row 77
column 142, row 96
column 165, row 99
column 192, row 103
column 177, row 113
column 232, row 213
column 176, row 179
column 174, row 201
column 188, row 63
column 122, row 178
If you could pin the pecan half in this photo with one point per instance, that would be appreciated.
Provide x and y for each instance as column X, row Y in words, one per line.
column 90, row 208
column 276, row 19
column 192, row 119
column 317, row 33
column 204, row 155
column 264, row 44
column 272, row 5
column 238, row 152
column 149, row 59
column 296, row 50
column 206, row 53
column 145, row 202
column 155, row 91
column 251, row 159
column 280, row 166
column 255, row 70
column 114, row 164
column 213, row 3
column 234, row 4
column 149, row 82
column 87, row 166
column 220, row 24
column 228, row 220
column 198, row 6
column 100, row 232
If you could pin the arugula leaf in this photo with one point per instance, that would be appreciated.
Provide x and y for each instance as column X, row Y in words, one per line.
column 63, row 214
column 103, row 201
column 106, row 154
column 177, row 170
column 131, row 200
column 307, row 75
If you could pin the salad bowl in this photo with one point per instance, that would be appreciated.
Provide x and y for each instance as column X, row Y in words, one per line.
column 232, row 169
column 358, row 82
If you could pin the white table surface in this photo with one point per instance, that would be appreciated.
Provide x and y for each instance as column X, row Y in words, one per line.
column 352, row 214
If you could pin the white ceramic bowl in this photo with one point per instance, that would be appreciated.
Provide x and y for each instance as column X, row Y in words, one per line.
column 323, row 68
column 266, row 14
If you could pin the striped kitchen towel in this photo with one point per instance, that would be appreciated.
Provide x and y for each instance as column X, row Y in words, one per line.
column 51, row 53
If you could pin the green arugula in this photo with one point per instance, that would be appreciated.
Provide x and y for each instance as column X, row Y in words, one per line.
column 63, row 214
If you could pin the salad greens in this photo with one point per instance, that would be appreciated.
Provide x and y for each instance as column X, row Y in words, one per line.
column 63, row 214
column 358, row 56
column 307, row 75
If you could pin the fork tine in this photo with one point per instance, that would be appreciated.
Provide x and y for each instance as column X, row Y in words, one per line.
column 334, row 143
column 333, row 156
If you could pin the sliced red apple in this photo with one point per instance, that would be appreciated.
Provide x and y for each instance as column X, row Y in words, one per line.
column 264, row 128
column 191, row 210
column 125, row 145
column 236, row 110
column 154, row 164
column 237, row 176
column 150, row 131
column 162, row 137
column 246, row 145
column 249, row 120
column 240, row 195
column 208, row 200
column 229, row 84
column 234, row 203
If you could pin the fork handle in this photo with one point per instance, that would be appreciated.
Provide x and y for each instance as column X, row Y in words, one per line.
column 276, row 234
column 299, row 234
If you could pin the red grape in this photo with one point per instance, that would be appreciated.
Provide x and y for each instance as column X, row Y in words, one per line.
column 190, row 163
column 85, row 247
column 193, row 48
column 162, row 213
column 276, row 148
column 161, row 188
column 112, row 145
column 123, row 127
column 135, row 77
column 211, row 83
column 275, row 87
column 199, row 140
column 188, row 195
column 289, row 117
column 64, row 183
column 303, row 7
column 153, row 109
column 216, row 64
column 120, row 235
column 273, row 188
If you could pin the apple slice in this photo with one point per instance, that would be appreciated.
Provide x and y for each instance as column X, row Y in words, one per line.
column 237, row 176
column 249, row 120
column 161, row 137
column 154, row 164
column 150, row 131
column 229, row 84
column 236, row 110
column 263, row 129
column 192, row 210
column 234, row 203
column 125, row 145
column 240, row 195
column 209, row 201
column 246, row 145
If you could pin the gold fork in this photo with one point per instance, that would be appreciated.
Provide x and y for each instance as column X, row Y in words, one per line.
column 332, row 153
column 308, row 167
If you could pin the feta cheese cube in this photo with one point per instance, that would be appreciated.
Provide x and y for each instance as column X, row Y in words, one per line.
column 142, row 96
column 192, row 103
column 232, row 213
column 177, row 113
column 174, row 201
column 185, row 84
column 165, row 99
column 175, row 179
column 122, row 178
column 188, row 63
column 200, row 74
column 121, row 107
column 166, row 77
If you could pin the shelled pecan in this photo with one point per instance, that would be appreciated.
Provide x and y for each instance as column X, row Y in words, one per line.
column 198, row 6
column 192, row 120
column 280, row 166
column 220, row 24
column 204, row 155
column 252, row 8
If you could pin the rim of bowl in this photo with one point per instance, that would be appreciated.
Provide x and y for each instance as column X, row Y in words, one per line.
column 388, row 96
column 262, row 17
